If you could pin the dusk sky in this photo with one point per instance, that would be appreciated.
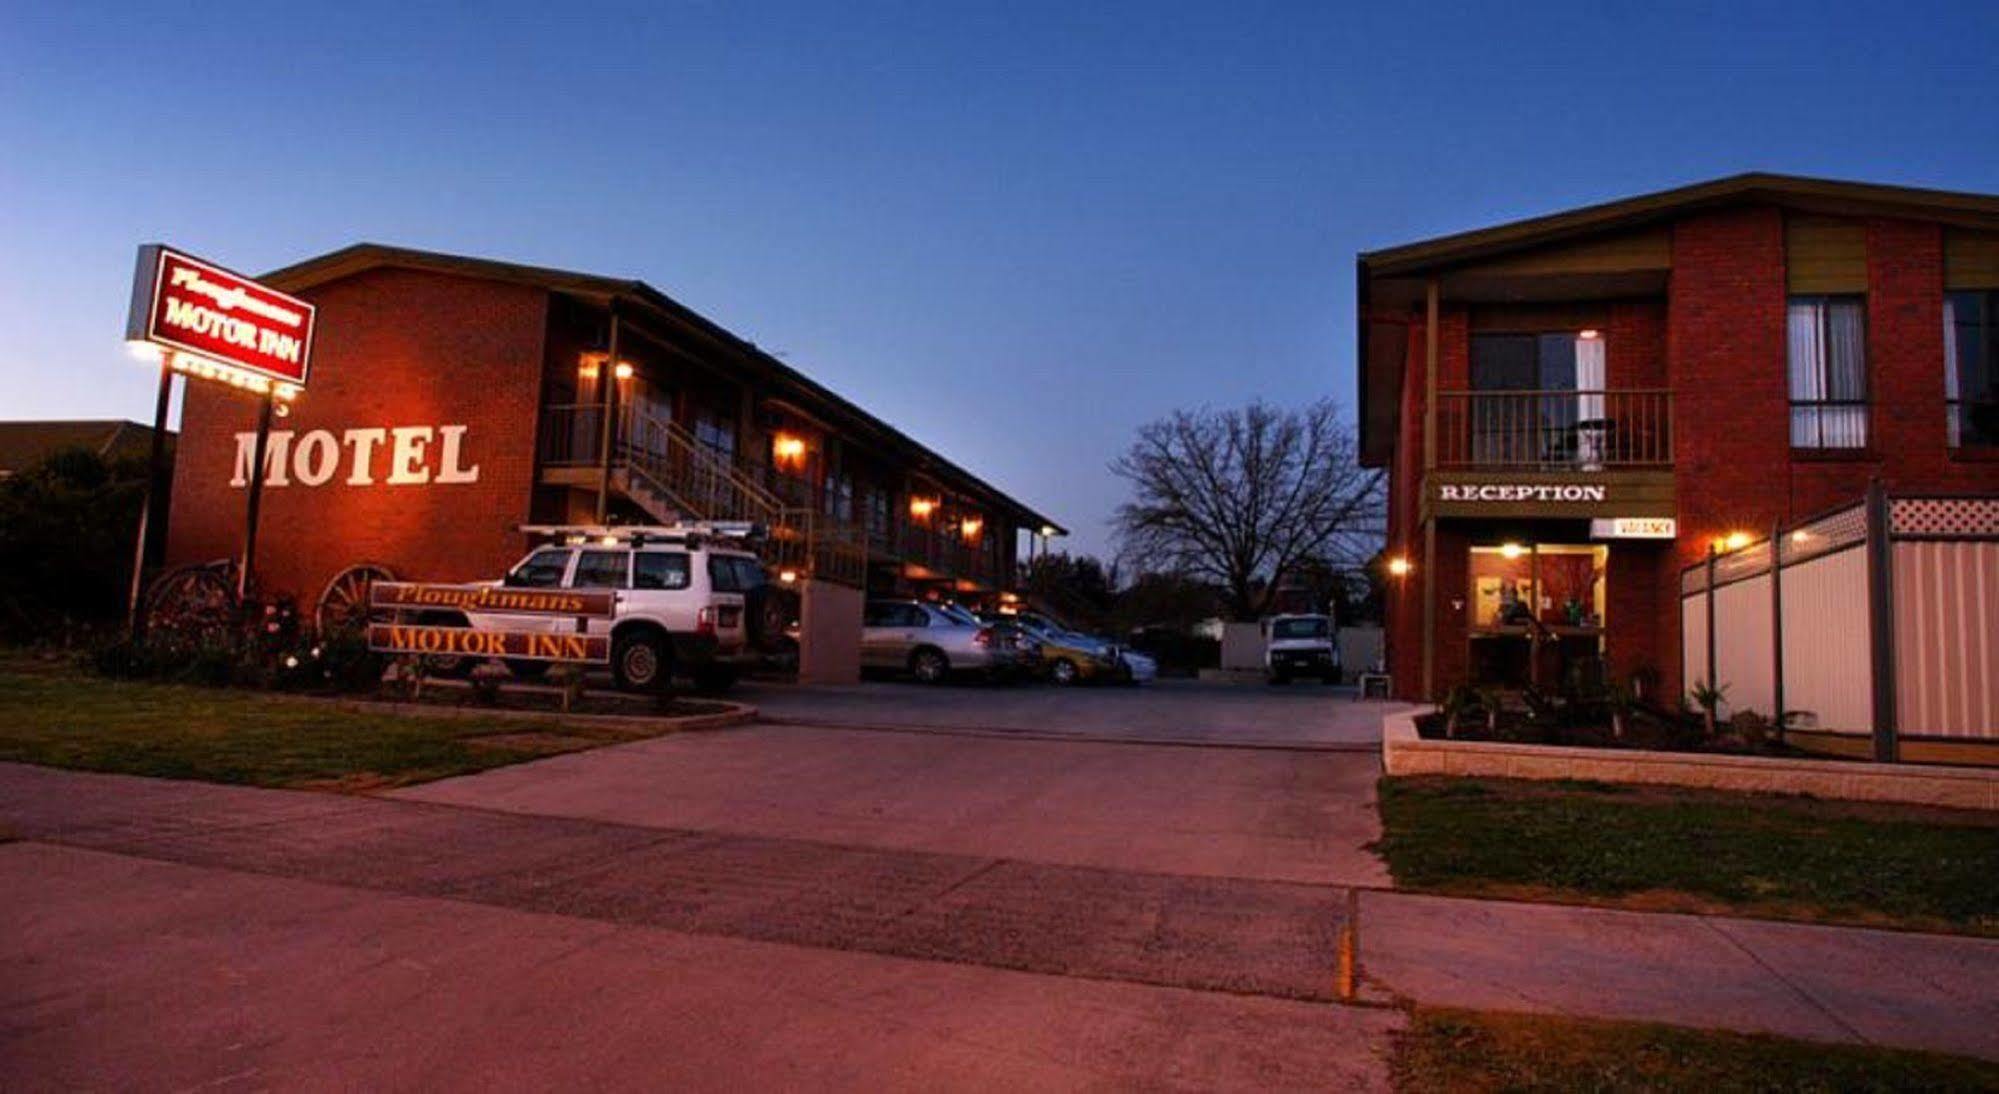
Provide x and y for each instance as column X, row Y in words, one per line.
column 1017, row 233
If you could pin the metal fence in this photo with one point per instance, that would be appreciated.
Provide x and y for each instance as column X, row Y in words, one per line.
column 1880, row 619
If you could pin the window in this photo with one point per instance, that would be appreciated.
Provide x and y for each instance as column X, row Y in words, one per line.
column 734, row 574
column 717, row 435
column 838, row 498
column 1828, row 371
column 660, row 570
column 601, row 569
column 1971, row 367
column 891, row 613
column 1532, row 413
column 541, row 570
column 1298, row 628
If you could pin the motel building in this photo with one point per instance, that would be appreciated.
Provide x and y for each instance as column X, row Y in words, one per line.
column 453, row 400
column 1574, row 409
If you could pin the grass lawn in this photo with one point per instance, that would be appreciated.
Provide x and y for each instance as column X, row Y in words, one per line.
column 1445, row 1050
column 1687, row 850
column 56, row 715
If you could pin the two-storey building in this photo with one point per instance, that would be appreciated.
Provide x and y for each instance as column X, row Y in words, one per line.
column 453, row 400
column 1575, row 407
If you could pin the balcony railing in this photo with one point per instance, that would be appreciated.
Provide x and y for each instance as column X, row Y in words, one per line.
column 1555, row 430
column 663, row 467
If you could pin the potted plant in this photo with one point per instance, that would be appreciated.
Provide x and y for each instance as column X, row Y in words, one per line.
column 1707, row 699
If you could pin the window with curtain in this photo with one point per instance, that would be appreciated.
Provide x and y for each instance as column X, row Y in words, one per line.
column 1525, row 413
column 1971, row 367
column 1828, row 371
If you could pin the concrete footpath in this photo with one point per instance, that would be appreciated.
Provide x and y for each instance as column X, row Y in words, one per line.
column 179, row 934
column 1938, row 992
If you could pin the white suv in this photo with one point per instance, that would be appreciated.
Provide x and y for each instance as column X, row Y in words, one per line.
column 691, row 601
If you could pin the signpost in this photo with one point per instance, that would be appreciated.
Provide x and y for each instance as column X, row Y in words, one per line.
column 410, row 598
column 213, row 324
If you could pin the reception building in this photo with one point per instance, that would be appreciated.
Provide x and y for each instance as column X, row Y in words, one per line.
column 1577, row 407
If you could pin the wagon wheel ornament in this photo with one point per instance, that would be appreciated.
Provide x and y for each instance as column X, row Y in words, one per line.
column 193, row 603
column 343, row 606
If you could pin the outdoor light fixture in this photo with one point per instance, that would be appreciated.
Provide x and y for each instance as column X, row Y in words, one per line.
column 970, row 527
column 1398, row 566
column 624, row 370
column 921, row 508
column 1589, row 335
column 1512, row 550
column 787, row 448
column 787, row 576
column 1733, row 541
column 1048, row 530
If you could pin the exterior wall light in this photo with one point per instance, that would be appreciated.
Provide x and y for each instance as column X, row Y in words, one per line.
column 1733, row 541
column 1589, row 335
column 624, row 370
column 788, row 449
column 921, row 508
column 1398, row 566
column 787, row 576
column 970, row 528
column 1511, row 550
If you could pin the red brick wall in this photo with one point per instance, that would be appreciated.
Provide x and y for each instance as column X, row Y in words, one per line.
column 395, row 348
column 1719, row 342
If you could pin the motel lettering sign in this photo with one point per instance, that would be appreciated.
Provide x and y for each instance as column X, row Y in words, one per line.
column 185, row 305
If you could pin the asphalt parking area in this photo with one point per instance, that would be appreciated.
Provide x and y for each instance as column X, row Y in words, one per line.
column 1301, row 715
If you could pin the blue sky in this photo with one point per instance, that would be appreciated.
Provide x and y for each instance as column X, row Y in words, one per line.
column 1017, row 232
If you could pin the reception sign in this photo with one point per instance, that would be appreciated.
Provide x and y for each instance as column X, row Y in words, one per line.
column 185, row 305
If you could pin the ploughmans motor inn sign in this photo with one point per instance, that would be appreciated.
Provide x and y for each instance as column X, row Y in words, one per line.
column 213, row 321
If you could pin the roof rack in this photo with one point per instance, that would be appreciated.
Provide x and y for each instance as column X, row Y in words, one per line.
column 636, row 534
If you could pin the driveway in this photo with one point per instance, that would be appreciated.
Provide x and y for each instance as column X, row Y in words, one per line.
column 1275, row 814
column 1187, row 711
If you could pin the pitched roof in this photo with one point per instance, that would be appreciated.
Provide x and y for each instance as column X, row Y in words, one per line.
column 1378, row 368
column 1829, row 195
column 26, row 443
column 604, row 291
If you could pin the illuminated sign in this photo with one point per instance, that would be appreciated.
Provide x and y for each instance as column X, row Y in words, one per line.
column 1634, row 528
column 599, row 603
column 404, row 455
column 465, row 642
column 406, row 598
column 238, row 330
column 1520, row 491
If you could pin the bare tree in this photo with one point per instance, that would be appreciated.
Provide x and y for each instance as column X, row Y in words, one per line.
column 1241, row 497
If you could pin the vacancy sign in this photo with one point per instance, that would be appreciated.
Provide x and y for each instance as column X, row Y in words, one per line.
column 186, row 306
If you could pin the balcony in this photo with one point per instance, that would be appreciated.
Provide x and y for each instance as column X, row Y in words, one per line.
column 1564, row 431
column 1552, row 454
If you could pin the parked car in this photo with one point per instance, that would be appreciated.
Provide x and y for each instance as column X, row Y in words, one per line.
column 1300, row 645
column 933, row 641
column 692, row 602
column 1067, row 657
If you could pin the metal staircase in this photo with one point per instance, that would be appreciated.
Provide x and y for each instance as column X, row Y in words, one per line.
column 674, row 477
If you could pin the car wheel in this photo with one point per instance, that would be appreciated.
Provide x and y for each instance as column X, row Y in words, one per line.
column 639, row 662
column 1063, row 672
column 929, row 666
column 527, row 670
